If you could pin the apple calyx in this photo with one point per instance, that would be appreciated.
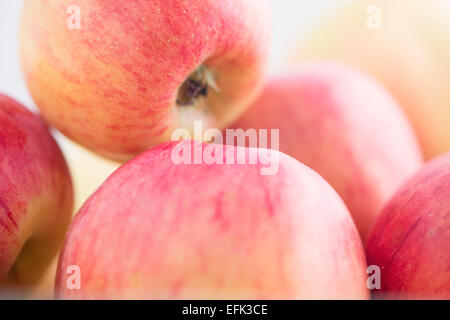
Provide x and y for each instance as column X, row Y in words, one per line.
column 196, row 86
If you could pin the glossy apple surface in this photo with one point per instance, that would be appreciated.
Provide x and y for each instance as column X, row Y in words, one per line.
column 136, row 70
column 345, row 126
column 160, row 230
column 35, row 196
column 411, row 240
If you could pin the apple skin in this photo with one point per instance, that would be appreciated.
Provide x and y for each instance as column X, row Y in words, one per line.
column 157, row 230
column 411, row 240
column 112, row 85
column 346, row 127
column 35, row 196
column 410, row 55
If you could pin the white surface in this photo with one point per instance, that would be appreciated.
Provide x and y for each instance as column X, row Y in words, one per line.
column 11, row 81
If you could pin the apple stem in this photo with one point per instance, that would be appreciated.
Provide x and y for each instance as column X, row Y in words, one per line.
column 196, row 86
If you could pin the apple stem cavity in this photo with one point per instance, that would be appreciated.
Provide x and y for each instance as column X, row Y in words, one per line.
column 196, row 86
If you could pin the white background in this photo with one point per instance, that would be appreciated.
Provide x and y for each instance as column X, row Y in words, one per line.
column 291, row 21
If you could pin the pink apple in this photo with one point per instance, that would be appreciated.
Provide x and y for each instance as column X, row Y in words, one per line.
column 120, row 76
column 411, row 240
column 403, row 44
column 345, row 126
column 35, row 196
column 156, row 229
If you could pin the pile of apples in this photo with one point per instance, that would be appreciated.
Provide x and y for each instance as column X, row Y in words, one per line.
column 352, row 193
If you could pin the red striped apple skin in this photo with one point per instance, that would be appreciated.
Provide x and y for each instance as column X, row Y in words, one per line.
column 345, row 126
column 411, row 240
column 35, row 196
column 159, row 230
column 112, row 84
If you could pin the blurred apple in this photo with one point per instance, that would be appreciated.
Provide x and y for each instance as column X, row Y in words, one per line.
column 406, row 46
column 35, row 196
column 124, row 75
column 411, row 240
column 156, row 229
column 345, row 126
column 89, row 171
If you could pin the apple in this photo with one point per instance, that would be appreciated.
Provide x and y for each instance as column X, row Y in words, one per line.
column 159, row 229
column 120, row 76
column 35, row 196
column 411, row 240
column 404, row 46
column 345, row 126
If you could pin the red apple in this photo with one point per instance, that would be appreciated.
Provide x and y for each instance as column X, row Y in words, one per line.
column 156, row 229
column 346, row 127
column 136, row 70
column 403, row 44
column 35, row 196
column 411, row 240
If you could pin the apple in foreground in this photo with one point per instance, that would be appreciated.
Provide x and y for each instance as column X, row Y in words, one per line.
column 122, row 75
column 35, row 196
column 161, row 230
column 343, row 125
column 406, row 46
column 411, row 240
